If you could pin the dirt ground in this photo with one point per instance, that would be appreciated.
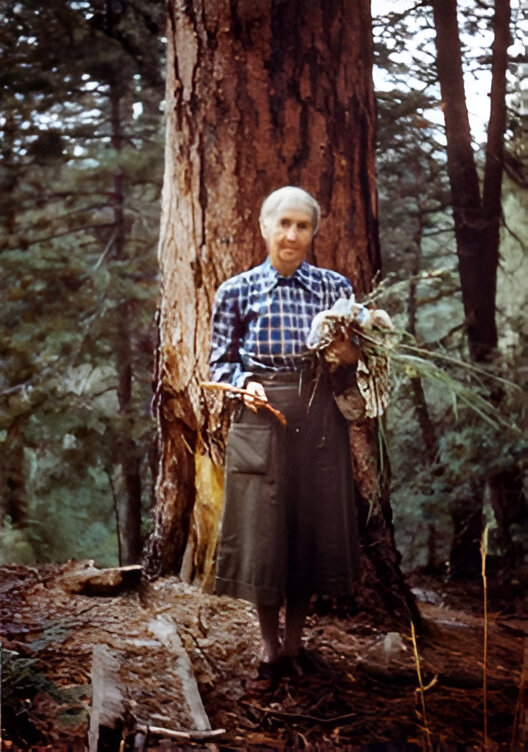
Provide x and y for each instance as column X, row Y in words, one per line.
column 365, row 696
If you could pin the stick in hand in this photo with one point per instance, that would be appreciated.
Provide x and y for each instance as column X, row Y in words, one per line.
column 244, row 393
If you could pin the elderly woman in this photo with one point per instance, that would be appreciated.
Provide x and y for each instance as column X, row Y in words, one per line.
column 289, row 522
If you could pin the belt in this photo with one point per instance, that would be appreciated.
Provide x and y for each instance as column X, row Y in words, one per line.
column 291, row 377
column 284, row 377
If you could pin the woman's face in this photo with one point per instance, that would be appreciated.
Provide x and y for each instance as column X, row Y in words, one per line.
column 288, row 235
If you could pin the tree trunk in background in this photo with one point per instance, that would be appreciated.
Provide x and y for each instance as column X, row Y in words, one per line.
column 507, row 497
column 477, row 225
column 127, row 454
column 494, row 167
column 420, row 403
column 479, row 307
column 468, row 523
column 9, row 177
column 476, row 221
column 259, row 95
column 12, row 467
column 13, row 474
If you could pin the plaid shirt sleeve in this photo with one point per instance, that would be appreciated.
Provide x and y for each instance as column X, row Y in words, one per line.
column 226, row 338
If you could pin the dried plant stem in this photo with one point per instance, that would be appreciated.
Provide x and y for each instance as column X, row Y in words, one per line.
column 483, row 554
column 421, row 688
column 244, row 393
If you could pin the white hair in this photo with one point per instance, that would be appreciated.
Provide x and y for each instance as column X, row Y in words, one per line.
column 288, row 197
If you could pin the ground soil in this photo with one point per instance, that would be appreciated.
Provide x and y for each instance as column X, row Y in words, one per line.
column 365, row 692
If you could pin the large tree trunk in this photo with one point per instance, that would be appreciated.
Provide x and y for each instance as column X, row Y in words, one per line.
column 259, row 95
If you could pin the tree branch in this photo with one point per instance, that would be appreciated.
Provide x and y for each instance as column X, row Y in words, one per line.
column 28, row 244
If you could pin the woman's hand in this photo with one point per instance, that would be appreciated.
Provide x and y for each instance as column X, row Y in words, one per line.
column 256, row 393
column 341, row 352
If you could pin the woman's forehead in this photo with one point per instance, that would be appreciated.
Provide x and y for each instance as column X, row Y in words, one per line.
column 295, row 210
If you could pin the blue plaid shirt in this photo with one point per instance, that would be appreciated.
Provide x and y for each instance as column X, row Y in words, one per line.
column 261, row 319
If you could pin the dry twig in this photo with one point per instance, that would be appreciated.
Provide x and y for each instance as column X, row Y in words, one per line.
column 244, row 393
column 205, row 734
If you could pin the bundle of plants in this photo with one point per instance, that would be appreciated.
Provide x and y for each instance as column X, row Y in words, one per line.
column 388, row 355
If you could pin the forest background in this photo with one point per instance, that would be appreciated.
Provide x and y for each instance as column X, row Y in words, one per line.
column 82, row 161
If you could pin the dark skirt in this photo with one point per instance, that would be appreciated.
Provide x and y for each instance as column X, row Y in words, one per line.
column 289, row 522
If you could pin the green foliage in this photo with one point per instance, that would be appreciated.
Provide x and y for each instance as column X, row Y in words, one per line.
column 81, row 175
column 23, row 679
column 442, row 451
column 478, row 418
column 14, row 545
column 69, row 511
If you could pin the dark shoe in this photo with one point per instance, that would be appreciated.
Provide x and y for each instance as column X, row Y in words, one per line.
column 304, row 663
column 268, row 677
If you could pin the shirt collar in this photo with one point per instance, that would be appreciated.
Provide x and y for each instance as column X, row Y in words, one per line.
column 303, row 274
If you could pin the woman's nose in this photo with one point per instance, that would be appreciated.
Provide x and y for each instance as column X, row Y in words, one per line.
column 292, row 232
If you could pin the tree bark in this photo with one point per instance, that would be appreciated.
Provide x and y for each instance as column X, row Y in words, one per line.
column 494, row 166
column 479, row 309
column 259, row 95
column 477, row 220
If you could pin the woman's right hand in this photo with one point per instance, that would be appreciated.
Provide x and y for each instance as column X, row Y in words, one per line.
column 256, row 390
column 341, row 352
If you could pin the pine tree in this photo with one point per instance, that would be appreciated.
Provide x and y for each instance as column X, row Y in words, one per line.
column 77, row 253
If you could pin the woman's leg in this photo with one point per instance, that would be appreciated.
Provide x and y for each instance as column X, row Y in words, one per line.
column 296, row 613
column 268, row 617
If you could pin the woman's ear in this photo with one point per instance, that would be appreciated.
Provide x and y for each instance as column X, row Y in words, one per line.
column 264, row 230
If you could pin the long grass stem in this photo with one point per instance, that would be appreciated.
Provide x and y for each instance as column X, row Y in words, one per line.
column 421, row 688
column 483, row 555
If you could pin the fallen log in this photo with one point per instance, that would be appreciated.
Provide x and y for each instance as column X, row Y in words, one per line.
column 165, row 630
column 108, row 700
column 121, row 708
column 90, row 580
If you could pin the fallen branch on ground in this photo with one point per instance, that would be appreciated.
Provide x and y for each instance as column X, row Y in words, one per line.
column 145, row 728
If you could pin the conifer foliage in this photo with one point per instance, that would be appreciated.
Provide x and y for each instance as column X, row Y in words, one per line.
column 80, row 176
